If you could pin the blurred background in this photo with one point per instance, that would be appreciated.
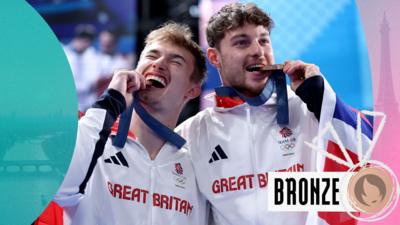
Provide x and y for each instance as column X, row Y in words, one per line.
column 100, row 36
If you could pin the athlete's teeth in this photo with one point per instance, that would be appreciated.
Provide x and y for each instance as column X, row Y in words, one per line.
column 254, row 68
column 156, row 81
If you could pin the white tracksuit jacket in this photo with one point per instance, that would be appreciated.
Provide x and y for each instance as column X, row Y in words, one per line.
column 234, row 145
column 110, row 186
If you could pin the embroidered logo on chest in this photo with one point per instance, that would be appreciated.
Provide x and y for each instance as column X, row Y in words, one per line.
column 286, row 139
column 178, row 168
column 178, row 176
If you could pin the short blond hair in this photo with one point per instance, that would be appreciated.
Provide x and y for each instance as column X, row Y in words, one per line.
column 181, row 35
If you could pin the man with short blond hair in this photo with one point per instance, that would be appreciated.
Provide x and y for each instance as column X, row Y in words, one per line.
column 147, row 179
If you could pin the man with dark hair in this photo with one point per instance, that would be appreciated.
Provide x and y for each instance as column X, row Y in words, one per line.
column 148, row 179
column 258, row 125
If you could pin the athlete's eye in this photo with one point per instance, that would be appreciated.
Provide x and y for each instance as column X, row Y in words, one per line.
column 241, row 43
column 264, row 41
column 151, row 56
column 176, row 62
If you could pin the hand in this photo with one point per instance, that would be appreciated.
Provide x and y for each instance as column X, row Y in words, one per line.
column 298, row 71
column 127, row 82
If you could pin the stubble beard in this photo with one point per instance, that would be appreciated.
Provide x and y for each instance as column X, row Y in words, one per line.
column 243, row 85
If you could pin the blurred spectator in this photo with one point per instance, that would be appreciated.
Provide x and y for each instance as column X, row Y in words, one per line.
column 83, row 60
column 109, row 59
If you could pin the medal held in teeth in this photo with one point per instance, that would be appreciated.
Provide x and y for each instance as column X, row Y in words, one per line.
column 265, row 68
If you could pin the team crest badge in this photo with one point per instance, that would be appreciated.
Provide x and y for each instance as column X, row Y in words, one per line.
column 286, row 139
column 178, row 176
column 178, row 168
column 286, row 132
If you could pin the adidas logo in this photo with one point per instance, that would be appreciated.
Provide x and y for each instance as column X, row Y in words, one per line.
column 217, row 154
column 118, row 159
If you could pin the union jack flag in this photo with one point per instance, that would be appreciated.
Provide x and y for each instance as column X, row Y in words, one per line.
column 343, row 119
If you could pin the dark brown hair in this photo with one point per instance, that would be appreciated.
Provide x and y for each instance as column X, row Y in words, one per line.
column 233, row 16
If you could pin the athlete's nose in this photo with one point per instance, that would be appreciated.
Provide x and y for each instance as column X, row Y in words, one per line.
column 256, row 49
column 159, row 64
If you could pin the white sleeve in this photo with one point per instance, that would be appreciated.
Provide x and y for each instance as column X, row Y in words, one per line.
column 89, row 128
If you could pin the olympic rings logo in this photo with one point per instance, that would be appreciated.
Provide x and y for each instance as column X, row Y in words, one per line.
column 287, row 147
column 181, row 180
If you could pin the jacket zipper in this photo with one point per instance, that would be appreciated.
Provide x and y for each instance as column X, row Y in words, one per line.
column 252, row 155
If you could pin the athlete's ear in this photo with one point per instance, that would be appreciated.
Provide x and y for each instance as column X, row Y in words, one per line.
column 193, row 92
column 212, row 55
